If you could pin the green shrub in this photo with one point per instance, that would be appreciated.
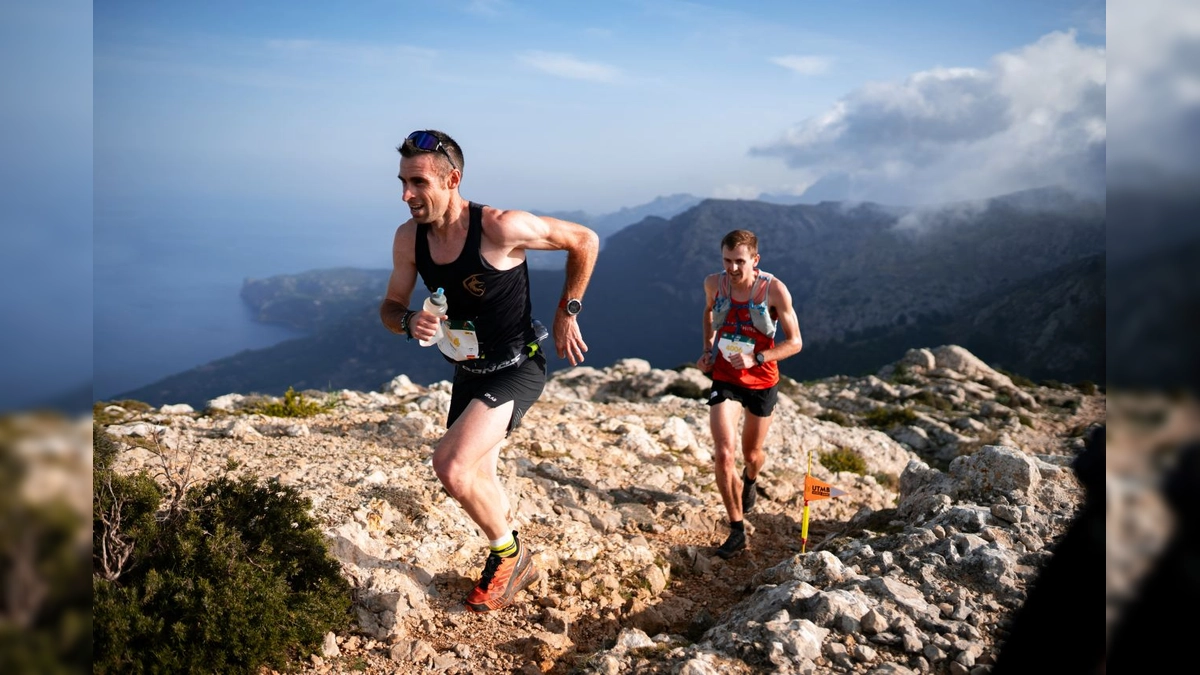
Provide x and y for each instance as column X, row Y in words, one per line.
column 886, row 418
column 233, row 577
column 931, row 399
column 900, row 375
column 99, row 415
column 684, row 388
column 843, row 459
column 1019, row 380
column 294, row 404
column 1087, row 387
column 888, row 480
column 45, row 602
column 837, row 417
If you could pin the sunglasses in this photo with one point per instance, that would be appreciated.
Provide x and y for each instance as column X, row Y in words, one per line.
column 423, row 140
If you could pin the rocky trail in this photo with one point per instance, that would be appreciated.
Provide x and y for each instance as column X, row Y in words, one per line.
column 965, row 485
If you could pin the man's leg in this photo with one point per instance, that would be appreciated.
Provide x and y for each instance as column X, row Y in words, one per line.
column 754, row 435
column 723, row 422
column 465, row 460
column 723, row 419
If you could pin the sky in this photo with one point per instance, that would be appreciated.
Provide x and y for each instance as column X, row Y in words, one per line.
column 283, row 117
column 594, row 106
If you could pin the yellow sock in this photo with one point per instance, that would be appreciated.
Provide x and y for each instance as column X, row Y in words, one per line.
column 505, row 547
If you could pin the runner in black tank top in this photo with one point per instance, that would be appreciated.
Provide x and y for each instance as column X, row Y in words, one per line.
column 496, row 379
column 497, row 301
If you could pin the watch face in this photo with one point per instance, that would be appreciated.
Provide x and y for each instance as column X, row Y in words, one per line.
column 574, row 306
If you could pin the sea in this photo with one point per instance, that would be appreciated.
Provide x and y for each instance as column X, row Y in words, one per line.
column 166, row 286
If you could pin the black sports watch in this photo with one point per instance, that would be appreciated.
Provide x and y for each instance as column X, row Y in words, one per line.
column 572, row 306
column 760, row 358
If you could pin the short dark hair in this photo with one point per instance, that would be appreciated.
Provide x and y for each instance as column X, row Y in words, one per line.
column 737, row 238
column 407, row 149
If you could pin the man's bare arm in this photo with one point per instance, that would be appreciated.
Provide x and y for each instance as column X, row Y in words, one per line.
column 394, row 309
column 781, row 300
column 705, row 363
column 523, row 230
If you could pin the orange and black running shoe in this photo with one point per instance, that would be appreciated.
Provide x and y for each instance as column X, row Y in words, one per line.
column 502, row 579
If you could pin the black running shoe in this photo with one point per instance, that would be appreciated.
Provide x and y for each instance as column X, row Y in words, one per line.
column 735, row 544
column 749, row 493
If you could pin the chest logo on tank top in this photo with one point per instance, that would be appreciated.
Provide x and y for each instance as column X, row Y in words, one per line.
column 474, row 285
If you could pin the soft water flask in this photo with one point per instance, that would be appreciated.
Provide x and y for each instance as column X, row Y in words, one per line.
column 436, row 305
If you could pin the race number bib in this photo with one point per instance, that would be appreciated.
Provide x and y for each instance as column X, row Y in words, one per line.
column 459, row 341
column 730, row 344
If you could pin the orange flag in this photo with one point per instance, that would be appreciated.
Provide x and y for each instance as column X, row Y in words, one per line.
column 818, row 489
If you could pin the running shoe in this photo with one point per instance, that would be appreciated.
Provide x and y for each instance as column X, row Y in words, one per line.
column 502, row 579
column 733, row 545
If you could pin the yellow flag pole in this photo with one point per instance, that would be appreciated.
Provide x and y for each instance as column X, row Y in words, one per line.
column 804, row 518
column 804, row 529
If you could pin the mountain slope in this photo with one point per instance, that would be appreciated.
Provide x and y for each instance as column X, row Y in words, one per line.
column 1018, row 279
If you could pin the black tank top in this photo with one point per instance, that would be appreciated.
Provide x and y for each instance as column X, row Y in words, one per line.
column 496, row 301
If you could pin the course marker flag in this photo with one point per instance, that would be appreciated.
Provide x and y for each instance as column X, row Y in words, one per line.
column 817, row 489
column 813, row 490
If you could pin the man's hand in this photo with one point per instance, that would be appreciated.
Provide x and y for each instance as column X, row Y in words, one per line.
column 742, row 360
column 568, row 340
column 424, row 325
column 705, row 364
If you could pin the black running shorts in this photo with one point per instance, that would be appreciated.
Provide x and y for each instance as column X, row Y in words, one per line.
column 757, row 402
column 521, row 384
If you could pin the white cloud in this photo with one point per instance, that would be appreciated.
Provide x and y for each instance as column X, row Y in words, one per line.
column 1035, row 116
column 1154, row 100
column 805, row 65
column 736, row 192
column 566, row 65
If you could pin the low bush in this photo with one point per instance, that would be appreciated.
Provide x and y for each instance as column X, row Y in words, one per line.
column 684, row 388
column 837, row 417
column 1019, row 380
column 901, row 375
column 931, row 399
column 294, row 404
column 228, row 577
column 102, row 416
column 843, row 459
column 888, row 480
column 886, row 418
column 45, row 602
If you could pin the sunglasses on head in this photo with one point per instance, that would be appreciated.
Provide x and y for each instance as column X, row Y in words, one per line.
column 423, row 140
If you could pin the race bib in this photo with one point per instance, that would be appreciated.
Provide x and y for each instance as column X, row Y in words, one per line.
column 459, row 341
column 730, row 344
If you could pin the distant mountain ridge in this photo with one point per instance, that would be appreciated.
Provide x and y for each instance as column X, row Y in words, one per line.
column 1018, row 279
column 610, row 223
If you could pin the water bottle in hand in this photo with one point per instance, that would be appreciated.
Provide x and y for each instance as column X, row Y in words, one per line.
column 436, row 305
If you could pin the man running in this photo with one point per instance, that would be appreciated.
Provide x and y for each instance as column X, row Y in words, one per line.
column 744, row 306
column 476, row 253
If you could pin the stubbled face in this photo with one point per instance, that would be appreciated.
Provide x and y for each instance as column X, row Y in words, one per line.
column 739, row 263
column 427, row 186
